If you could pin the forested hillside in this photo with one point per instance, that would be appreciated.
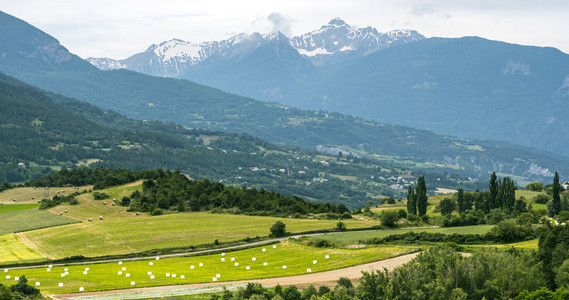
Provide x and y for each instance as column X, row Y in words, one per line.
column 40, row 136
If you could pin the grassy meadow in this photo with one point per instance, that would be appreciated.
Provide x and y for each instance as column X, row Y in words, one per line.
column 141, row 233
column 12, row 250
column 30, row 219
column 17, row 207
column 169, row 271
column 29, row 195
column 90, row 208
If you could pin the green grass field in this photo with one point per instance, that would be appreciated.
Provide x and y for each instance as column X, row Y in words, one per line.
column 296, row 257
column 28, row 195
column 141, row 233
column 30, row 219
column 17, row 207
column 531, row 244
column 354, row 237
column 90, row 208
column 12, row 250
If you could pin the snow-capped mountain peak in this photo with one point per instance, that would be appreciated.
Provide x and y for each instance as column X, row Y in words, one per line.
column 178, row 49
column 332, row 43
column 336, row 39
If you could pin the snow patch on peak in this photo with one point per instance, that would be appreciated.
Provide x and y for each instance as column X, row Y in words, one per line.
column 314, row 52
column 106, row 64
column 178, row 48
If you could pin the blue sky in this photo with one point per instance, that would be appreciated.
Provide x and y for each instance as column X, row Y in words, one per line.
column 120, row 28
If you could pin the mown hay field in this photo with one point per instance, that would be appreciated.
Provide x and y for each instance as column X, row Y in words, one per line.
column 296, row 257
column 176, row 230
column 30, row 219
column 12, row 250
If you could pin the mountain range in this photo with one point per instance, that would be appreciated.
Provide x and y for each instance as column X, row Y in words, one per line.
column 469, row 87
column 332, row 43
column 38, row 59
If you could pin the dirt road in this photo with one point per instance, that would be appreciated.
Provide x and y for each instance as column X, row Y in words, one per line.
column 327, row 278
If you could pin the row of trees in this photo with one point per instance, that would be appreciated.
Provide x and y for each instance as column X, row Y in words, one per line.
column 417, row 198
column 500, row 195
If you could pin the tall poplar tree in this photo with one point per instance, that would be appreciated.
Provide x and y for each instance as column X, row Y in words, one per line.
column 508, row 193
column 493, row 191
column 421, row 196
column 461, row 201
column 411, row 202
column 556, row 198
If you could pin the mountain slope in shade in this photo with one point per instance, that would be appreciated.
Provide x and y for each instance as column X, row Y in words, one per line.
column 196, row 106
column 469, row 87
column 24, row 49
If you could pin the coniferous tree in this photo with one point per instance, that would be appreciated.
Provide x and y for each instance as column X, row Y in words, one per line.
column 499, row 202
column 411, row 201
column 421, row 196
column 556, row 198
column 508, row 193
column 493, row 191
column 461, row 201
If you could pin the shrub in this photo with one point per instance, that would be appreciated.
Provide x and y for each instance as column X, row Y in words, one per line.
column 341, row 225
column 412, row 217
column 156, row 212
column 563, row 216
column 508, row 231
column 389, row 218
column 23, row 289
column 535, row 186
column 100, row 196
column 496, row 216
column 541, row 199
column 56, row 200
column 278, row 229
column 526, row 219
column 125, row 201
column 322, row 244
